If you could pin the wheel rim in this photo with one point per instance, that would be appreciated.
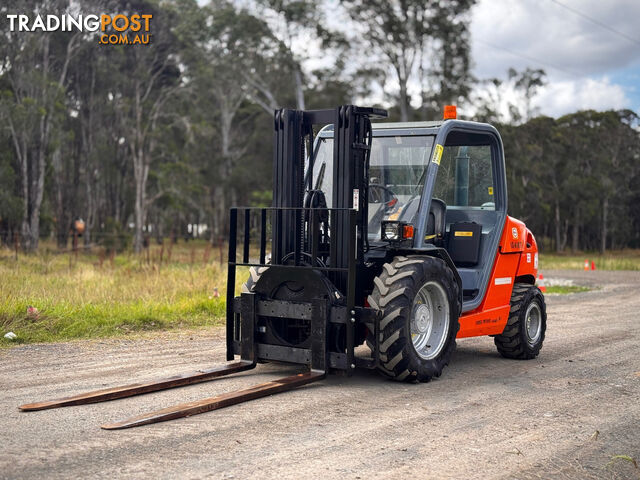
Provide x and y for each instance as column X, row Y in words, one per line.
column 430, row 320
column 533, row 323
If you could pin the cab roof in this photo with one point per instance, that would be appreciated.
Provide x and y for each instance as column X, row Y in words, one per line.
column 386, row 129
column 410, row 125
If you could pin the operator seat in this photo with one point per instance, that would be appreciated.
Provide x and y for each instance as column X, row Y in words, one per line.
column 436, row 223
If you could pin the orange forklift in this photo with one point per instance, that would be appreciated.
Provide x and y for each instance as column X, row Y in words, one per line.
column 391, row 234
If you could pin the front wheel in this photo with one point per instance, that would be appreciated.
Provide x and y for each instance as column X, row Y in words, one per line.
column 524, row 333
column 420, row 303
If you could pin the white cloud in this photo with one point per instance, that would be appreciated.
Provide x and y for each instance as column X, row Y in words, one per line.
column 578, row 56
column 560, row 97
column 553, row 35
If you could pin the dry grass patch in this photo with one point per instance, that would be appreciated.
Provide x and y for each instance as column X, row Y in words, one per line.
column 85, row 296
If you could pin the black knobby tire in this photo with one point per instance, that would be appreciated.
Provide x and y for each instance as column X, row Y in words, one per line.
column 254, row 275
column 395, row 290
column 515, row 341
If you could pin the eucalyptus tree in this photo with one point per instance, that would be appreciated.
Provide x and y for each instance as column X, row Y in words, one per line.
column 10, row 202
column 293, row 23
column 150, row 77
column 226, row 49
column 423, row 45
column 604, row 150
column 35, row 68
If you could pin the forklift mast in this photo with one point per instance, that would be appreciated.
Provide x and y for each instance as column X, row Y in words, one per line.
column 293, row 143
column 304, row 304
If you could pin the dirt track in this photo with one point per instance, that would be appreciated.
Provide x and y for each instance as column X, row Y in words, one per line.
column 487, row 417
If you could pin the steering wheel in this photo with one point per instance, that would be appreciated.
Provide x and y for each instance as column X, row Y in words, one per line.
column 381, row 194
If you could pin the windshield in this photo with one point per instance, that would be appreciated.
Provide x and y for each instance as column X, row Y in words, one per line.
column 396, row 175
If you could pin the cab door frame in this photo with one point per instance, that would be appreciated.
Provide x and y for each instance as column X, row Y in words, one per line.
column 500, row 194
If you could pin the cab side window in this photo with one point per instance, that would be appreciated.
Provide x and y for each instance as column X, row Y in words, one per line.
column 465, row 177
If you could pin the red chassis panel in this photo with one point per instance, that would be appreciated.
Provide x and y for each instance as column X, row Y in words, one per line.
column 517, row 257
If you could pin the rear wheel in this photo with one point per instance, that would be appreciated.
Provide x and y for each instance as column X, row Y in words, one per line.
column 420, row 303
column 524, row 333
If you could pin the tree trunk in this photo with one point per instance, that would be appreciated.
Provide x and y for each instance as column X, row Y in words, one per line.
column 218, row 210
column 25, row 232
column 603, row 235
column 140, row 208
column 575, row 244
column 37, row 186
column 404, row 101
column 87, row 130
column 140, row 172
column 299, row 89
column 558, row 227
column 62, row 225
column 90, row 213
column 565, row 235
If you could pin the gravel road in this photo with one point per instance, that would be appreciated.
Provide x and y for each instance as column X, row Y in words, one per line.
column 563, row 415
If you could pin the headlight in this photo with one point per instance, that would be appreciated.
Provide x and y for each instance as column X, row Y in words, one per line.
column 390, row 231
column 394, row 231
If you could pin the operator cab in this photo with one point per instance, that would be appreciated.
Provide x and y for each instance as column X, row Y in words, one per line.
column 468, row 182
column 443, row 179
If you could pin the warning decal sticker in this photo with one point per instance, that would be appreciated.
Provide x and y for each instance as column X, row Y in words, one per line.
column 437, row 154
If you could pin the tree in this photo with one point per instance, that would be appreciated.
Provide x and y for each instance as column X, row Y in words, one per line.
column 35, row 67
column 492, row 99
column 286, row 24
column 526, row 83
column 604, row 147
column 139, row 99
column 447, row 79
column 416, row 42
column 576, row 177
column 10, row 202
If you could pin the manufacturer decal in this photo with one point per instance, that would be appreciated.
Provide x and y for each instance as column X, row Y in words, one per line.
column 503, row 281
column 514, row 232
column 535, row 260
column 486, row 321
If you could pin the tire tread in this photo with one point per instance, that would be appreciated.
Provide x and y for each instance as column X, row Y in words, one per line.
column 393, row 293
column 511, row 343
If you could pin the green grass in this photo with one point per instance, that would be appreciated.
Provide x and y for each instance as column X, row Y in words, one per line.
column 91, row 296
column 626, row 458
column 563, row 290
column 619, row 260
column 86, row 297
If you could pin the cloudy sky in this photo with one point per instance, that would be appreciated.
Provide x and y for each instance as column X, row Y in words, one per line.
column 590, row 49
